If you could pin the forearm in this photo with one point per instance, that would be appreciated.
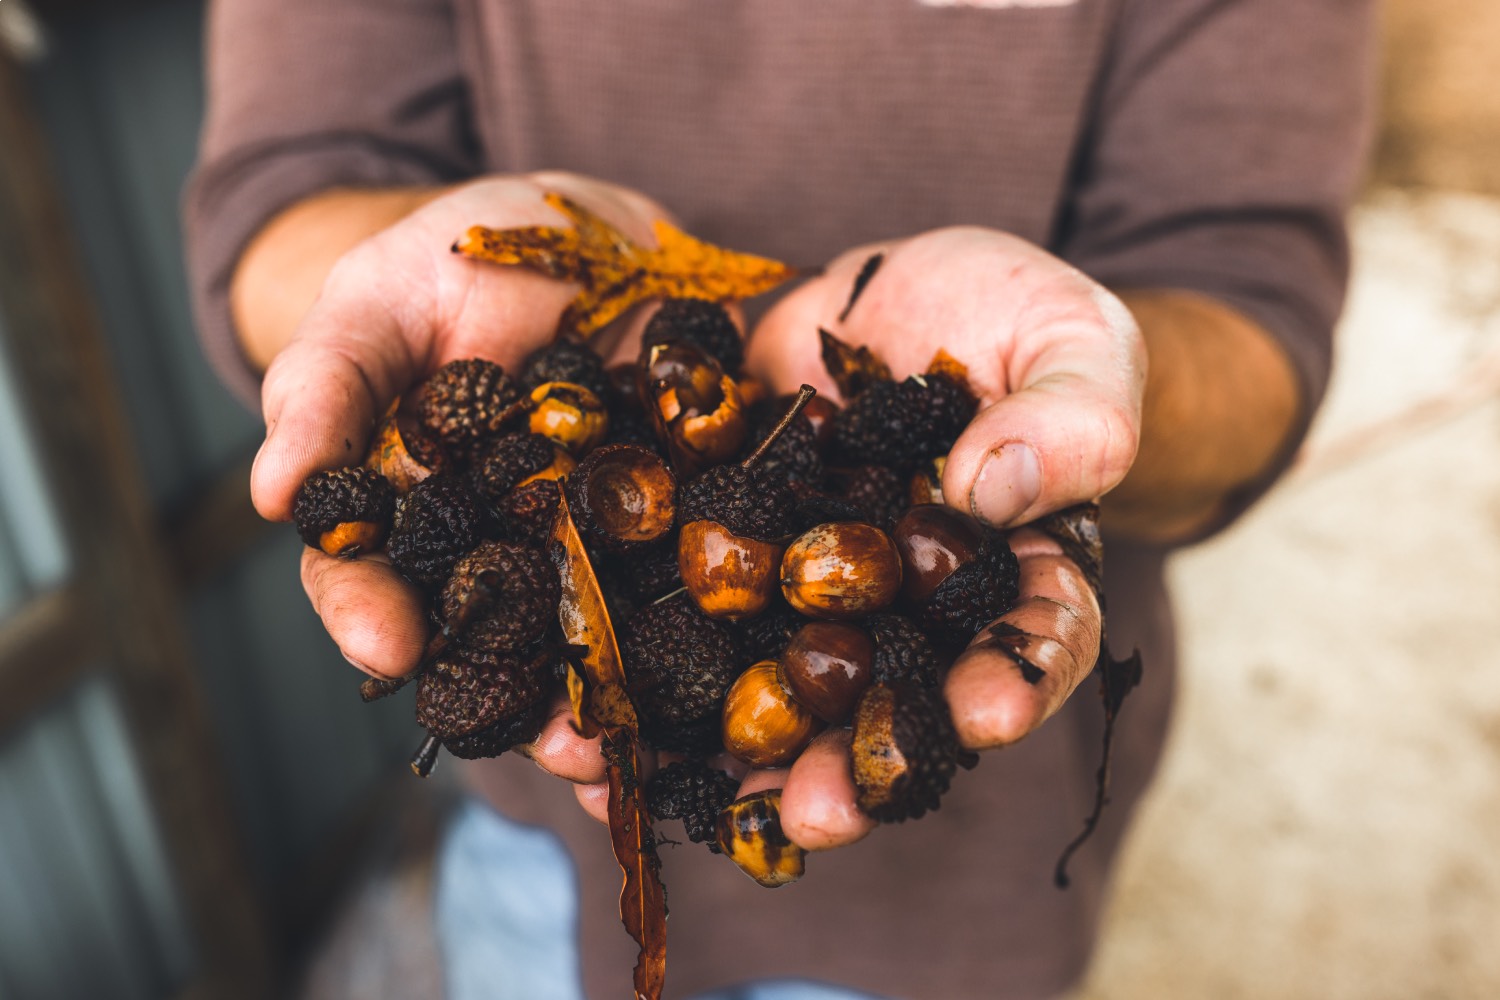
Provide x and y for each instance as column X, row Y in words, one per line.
column 1221, row 399
column 284, row 267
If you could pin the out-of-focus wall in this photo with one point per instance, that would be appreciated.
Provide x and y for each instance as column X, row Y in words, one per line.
column 1441, row 113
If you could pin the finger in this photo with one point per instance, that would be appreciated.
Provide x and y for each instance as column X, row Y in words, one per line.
column 1009, row 682
column 322, row 393
column 818, row 809
column 374, row 616
column 784, row 350
column 595, row 800
column 560, row 751
column 1067, row 429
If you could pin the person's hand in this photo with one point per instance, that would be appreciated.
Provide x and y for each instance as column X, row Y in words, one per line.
column 1059, row 367
column 393, row 309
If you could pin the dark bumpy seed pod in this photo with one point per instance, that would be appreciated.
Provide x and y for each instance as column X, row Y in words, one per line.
column 345, row 511
column 693, row 792
column 794, row 455
column 508, row 460
column 680, row 664
column 975, row 594
column 754, row 502
column 466, row 403
column 436, row 522
column 765, row 636
column 959, row 573
column 465, row 692
column 530, row 512
column 494, row 740
column 647, row 574
column 879, row 493
column 519, row 588
column 566, row 360
column 902, row 424
column 904, row 752
column 702, row 323
column 902, row 651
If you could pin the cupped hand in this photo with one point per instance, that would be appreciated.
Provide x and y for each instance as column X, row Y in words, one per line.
column 1059, row 368
column 393, row 309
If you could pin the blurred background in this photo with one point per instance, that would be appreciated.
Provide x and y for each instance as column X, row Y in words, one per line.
column 187, row 780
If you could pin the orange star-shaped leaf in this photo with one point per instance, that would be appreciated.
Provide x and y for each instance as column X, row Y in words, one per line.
column 614, row 273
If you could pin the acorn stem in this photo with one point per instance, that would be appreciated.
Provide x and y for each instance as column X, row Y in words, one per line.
column 804, row 395
column 425, row 759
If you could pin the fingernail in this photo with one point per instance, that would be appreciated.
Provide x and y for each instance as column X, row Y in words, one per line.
column 361, row 666
column 1009, row 481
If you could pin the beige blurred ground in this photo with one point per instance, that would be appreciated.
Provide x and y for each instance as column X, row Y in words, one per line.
column 1327, row 823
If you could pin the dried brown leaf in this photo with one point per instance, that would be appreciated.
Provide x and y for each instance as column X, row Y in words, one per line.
column 643, row 900
column 614, row 273
column 853, row 369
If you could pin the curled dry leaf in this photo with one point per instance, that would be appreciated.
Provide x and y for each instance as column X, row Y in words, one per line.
column 614, row 273
column 600, row 703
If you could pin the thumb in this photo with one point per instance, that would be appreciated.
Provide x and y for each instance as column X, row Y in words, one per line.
column 1069, row 430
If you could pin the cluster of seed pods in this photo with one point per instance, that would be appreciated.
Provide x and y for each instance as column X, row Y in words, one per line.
column 773, row 566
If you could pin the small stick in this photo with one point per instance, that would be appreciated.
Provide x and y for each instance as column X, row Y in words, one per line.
column 425, row 759
column 804, row 395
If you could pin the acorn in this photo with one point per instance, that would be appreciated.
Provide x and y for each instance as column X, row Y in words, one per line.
column 876, row 491
column 570, row 415
column 902, row 424
column 622, row 497
column 529, row 512
column 402, row 452
column 750, row 834
column 826, row 667
column 344, row 512
column 902, row 651
column 926, row 484
column 734, row 518
column 961, row 574
column 696, row 408
column 764, row 726
column 843, row 569
column 904, row 753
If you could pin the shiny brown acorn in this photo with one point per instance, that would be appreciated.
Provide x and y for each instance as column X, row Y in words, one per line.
column 826, row 667
column 569, row 414
column 764, row 726
column 750, row 835
column 697, row 409
column 934, row 541
column 728, row 575
column 840, row 570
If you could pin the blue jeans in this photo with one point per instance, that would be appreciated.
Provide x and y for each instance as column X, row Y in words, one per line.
column 507, row 918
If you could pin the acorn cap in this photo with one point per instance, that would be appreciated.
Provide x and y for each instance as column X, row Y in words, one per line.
column 508, row 460
column 679, row 664
column 520, row 590
column 693, row 792
column 902, row 650
column 622, row 497
column 756, row 502
column 466, row 403
column 566, row 360
column 436, row 522
column 975, row 594
column 705, row 324
column 464, row 692
column 904, row 752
